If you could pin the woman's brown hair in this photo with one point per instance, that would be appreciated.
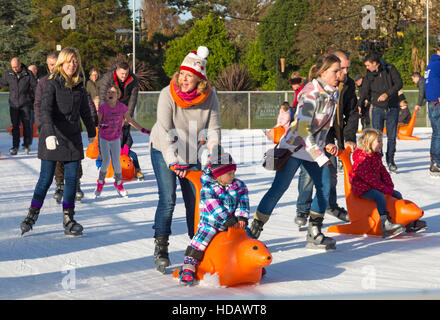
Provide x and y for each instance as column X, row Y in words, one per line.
column 323, row 63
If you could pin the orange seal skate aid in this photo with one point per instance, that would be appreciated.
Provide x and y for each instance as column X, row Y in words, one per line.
column 363, row 214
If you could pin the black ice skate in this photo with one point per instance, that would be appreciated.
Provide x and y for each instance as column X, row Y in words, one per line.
column 30, row 220
column 79, row 193
column 434, row 169
column 161, row 258
column 301, row 219
column 316, row 239
column 339, row 213
column 416, row 226
column 71, row 227
column 58, row 195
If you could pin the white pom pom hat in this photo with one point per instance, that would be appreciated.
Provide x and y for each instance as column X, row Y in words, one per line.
column 195, row 62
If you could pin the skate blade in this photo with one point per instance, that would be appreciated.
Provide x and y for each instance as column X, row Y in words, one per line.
column 392, row 235
column 322, row 247
column 73, row 235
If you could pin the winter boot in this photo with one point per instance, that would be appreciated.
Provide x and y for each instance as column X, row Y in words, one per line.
column 187, row 273
column 161, row 258
column 120, row 188
column 301, row 219
column 58, row 195
column 257, row 224
column 30, row 219
column 315, row 238
column 79, row 193
column 71, row 227
column 389, row 229
column 339, row 213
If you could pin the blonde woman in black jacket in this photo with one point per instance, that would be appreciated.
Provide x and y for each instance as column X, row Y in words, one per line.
column 65, row 101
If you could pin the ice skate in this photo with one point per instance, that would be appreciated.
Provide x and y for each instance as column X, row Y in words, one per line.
column 120, row 189
column 389, row 229
column 316, row 239
column 13, row 151
column 79, row 193
column 99, row 186
column 434, row 170
column 71, row 227
column 301, row 219
column 339, row 213
column 30, row 220
column 416, row 226
column 139, row 175
column 58, row 195
column 161, row 257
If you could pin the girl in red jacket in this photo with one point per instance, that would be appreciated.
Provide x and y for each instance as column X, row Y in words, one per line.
column 370, row 179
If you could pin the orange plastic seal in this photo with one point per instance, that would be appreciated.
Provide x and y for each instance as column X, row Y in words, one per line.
column 363, row 214
column 232, row 255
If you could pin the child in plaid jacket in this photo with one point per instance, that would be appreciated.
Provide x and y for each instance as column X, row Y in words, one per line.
column 224, row 203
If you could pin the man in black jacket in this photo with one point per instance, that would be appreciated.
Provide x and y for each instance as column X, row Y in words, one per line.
column 343, row 134
column 380, row 87
column 129, row 86
column 22, row 84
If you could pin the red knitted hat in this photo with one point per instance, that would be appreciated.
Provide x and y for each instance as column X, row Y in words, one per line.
column 223, row 164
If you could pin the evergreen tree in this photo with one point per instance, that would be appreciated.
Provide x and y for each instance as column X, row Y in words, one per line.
column 277, row 33
column 15, row 17
column 94, row 33
column 209, row 32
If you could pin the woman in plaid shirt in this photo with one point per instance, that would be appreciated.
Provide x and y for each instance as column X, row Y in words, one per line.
column 224, row 203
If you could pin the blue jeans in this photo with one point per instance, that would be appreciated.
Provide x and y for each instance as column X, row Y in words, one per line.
column 283, row 178
column 46, row 177
column 391, row 116
column 166, row 183
column 434, row 117
column 378, row 197
column 305, row 188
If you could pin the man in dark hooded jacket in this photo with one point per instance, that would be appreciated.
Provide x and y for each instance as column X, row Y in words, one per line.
column 381, row 88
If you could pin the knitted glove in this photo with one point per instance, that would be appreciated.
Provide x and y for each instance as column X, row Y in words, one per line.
column 177, row 166
column 146, row 131
column 98, row 162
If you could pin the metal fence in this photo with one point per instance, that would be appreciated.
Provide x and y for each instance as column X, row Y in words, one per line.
column 239, row 109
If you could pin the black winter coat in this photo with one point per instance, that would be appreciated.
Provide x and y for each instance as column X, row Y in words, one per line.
column 60, row 112
column 348, row 115
column 386, row 80
column 21, row 87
